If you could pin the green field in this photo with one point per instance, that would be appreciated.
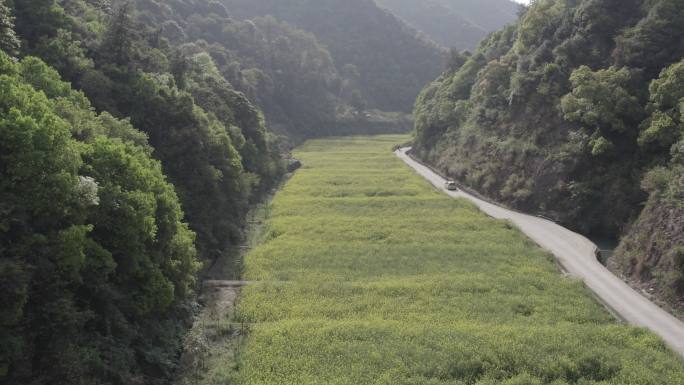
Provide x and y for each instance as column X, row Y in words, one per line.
column 368, row 275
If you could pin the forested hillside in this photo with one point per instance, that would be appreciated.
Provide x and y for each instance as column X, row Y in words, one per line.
column 565, row 113
column 98, row 269
column 133, row 143
column 458, row 24
column 386, row 57
column 96, row 264
column 653, row 250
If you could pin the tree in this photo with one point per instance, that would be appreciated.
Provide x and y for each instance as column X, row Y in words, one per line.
column 118, row 43
column 8, row 38
column 656, row 40
column 665, row 125
column 456, row 60
column 36, row 19
column 603, row 104
column 38, row 174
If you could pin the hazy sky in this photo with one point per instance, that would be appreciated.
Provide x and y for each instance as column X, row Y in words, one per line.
column 522, row 1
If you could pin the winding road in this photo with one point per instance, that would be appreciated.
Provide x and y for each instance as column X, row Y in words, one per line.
column 577, row 255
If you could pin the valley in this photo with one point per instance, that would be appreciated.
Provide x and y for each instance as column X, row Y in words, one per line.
column 218, row 192
column 367, row 274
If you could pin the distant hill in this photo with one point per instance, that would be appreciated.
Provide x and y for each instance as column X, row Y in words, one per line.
column 459, row 24
column 391, row 60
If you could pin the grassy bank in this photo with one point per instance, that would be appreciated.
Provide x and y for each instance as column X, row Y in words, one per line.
column 368, row 275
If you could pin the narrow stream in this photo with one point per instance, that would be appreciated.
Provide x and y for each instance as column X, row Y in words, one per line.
column 606, row 245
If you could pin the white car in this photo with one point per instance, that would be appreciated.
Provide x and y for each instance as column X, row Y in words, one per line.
column 451, row 185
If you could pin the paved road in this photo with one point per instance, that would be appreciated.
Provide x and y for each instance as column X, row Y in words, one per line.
column 577, row 255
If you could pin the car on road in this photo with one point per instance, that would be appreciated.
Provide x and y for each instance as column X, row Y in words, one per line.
column 451, row 185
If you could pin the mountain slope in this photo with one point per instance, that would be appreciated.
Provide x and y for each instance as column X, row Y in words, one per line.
column 490, row 15
column 561, row 113
column 171, row 119
column 459, row 24
column 97, row 267
column 652, row 253
column 393, row 63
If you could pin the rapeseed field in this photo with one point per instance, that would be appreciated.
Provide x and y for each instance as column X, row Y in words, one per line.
column 368, row 275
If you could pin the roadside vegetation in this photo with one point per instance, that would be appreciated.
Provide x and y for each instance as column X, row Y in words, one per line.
column 366, row 275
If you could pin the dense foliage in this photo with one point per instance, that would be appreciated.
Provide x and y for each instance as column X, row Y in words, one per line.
column 367, row 275
column 96, row 265
column 653, row 250
column 210, row 139
column 8, row 38
column 97, row 269
column 458, row 24
column 283, row 70
column 554, row 115
column 391, row 61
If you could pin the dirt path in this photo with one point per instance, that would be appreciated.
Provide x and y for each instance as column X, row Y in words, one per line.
column 577, row 255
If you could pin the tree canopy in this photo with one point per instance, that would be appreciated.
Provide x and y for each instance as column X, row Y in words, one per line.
column 94, row 254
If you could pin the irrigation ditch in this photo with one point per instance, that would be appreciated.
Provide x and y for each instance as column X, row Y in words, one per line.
column 218, row 333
